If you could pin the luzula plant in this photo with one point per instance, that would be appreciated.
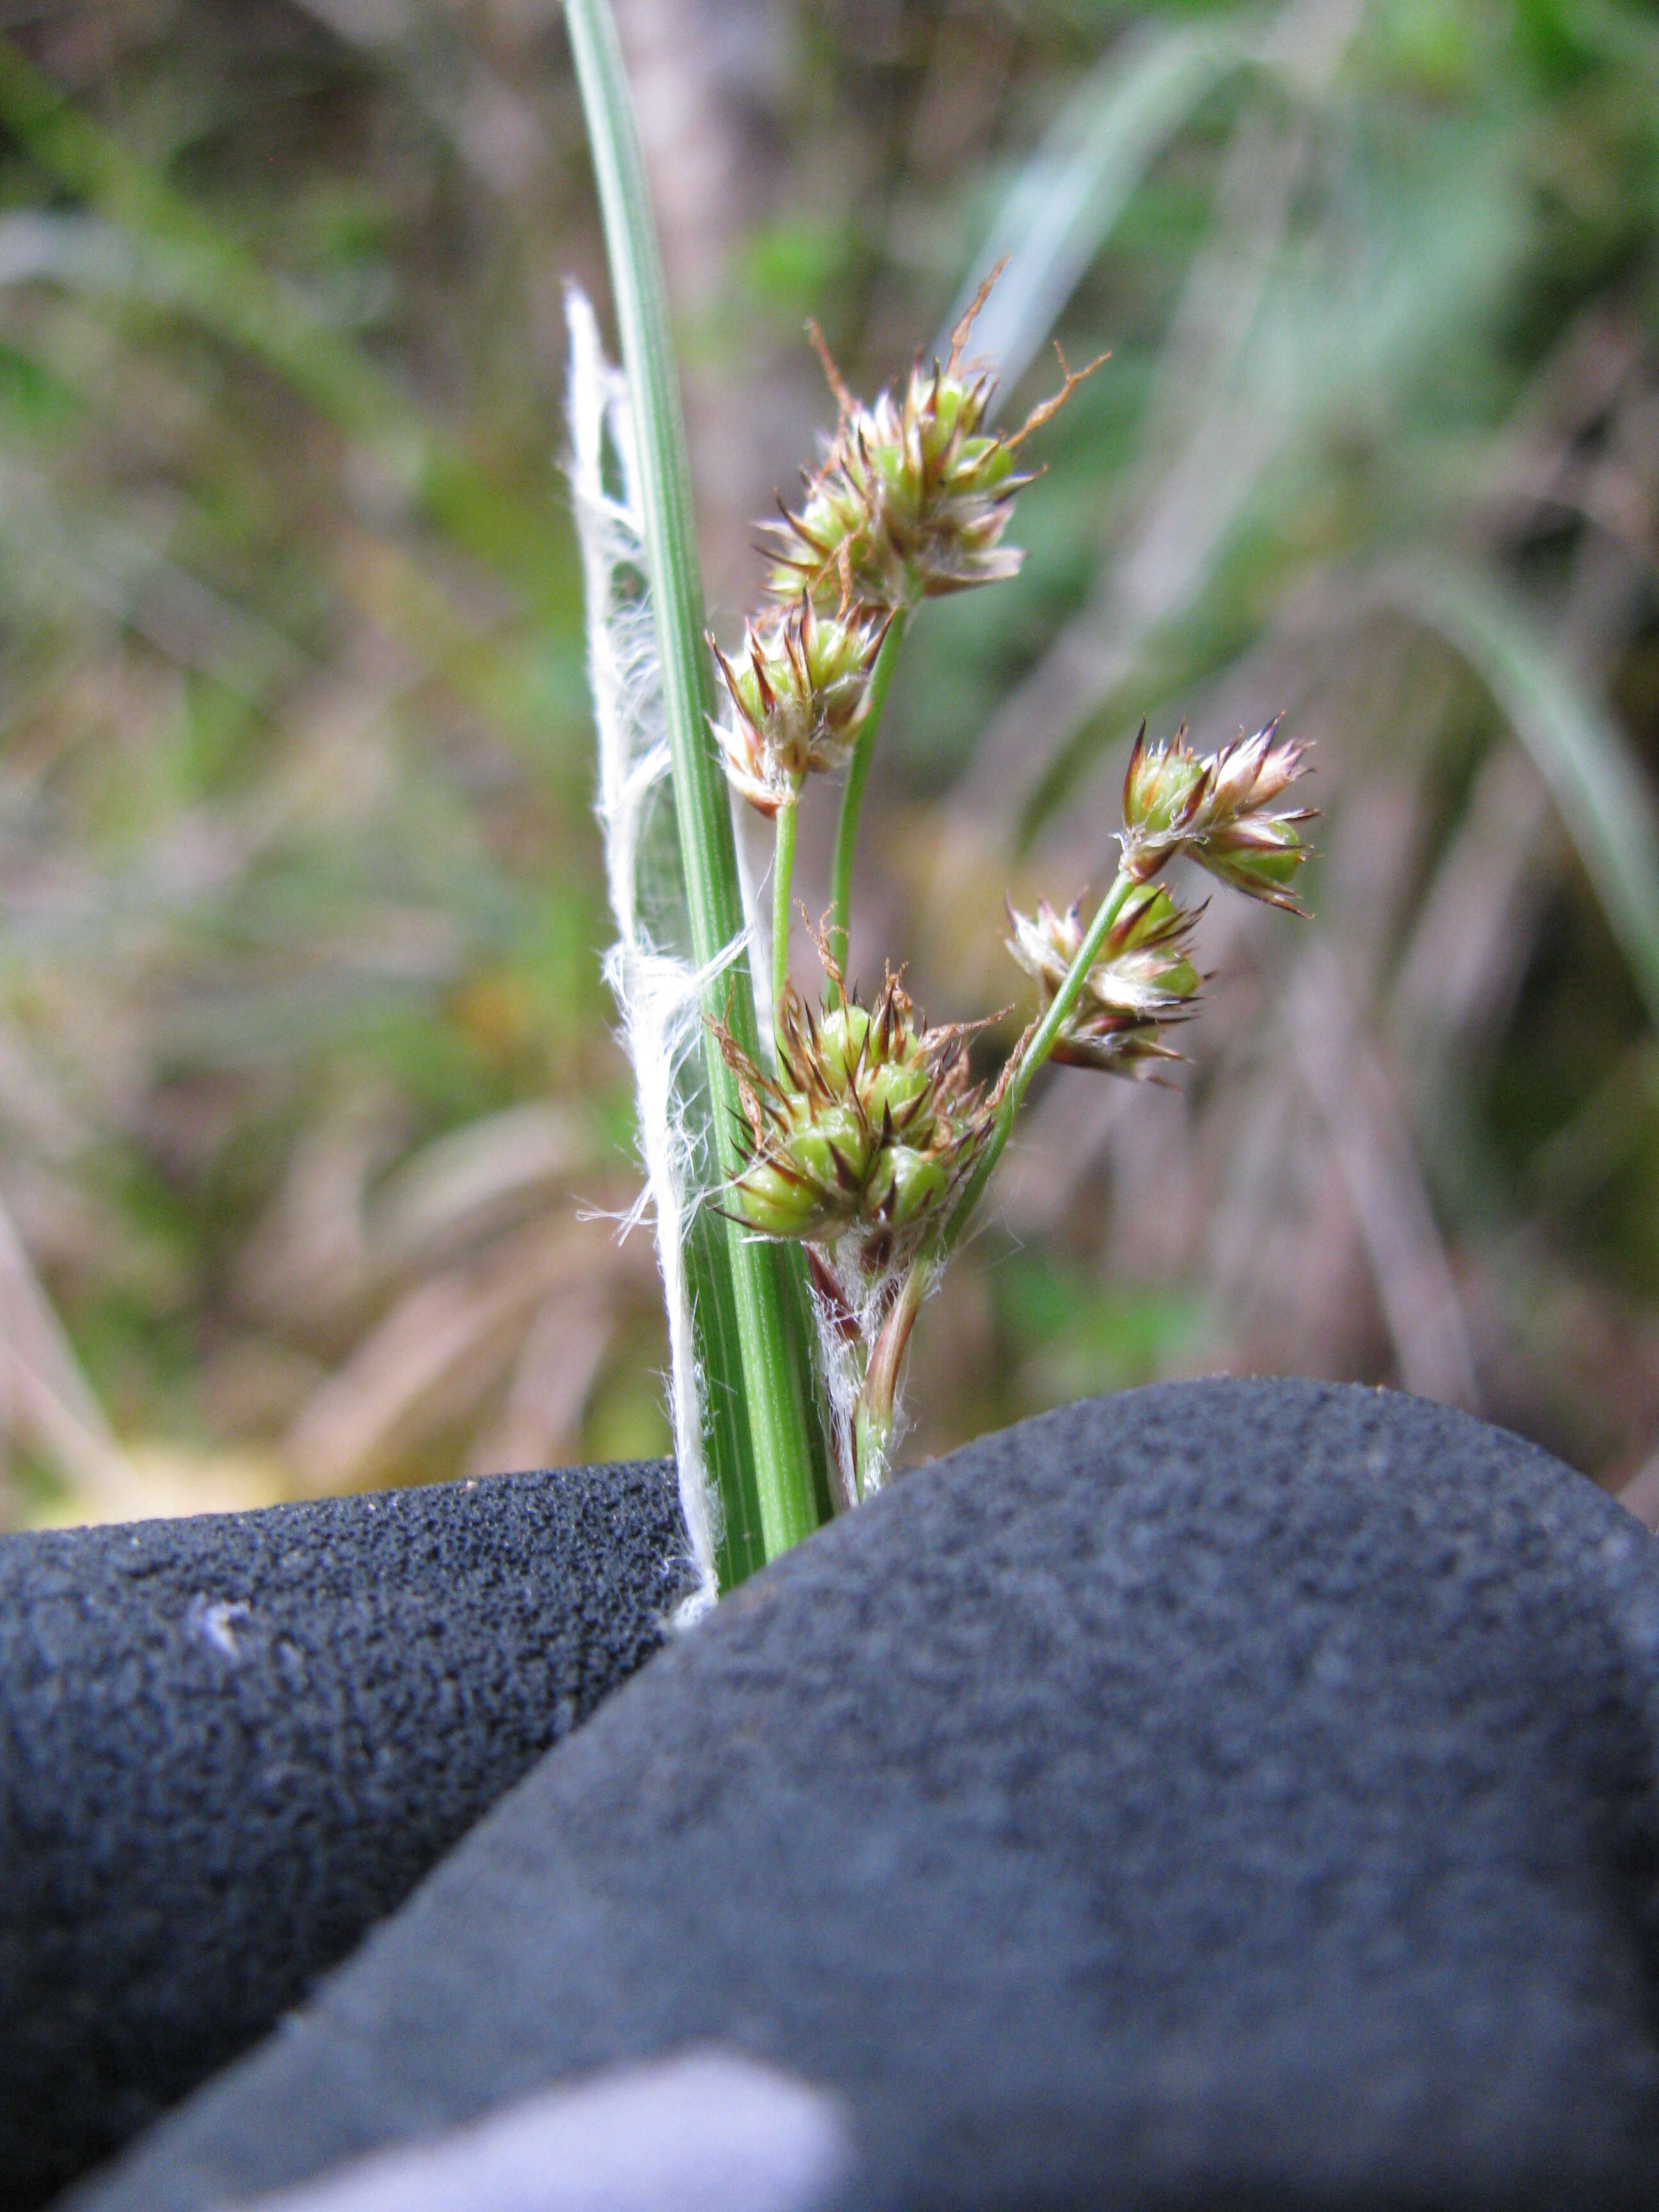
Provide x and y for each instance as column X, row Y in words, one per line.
column 814, row 1187
column 867, row 1141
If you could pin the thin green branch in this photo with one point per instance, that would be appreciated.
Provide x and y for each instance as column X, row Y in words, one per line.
column 770, row 1384
column 872, row 1423
column 1043, row 1042
column 851, row 800
column 873, row 1419
column 783, row 874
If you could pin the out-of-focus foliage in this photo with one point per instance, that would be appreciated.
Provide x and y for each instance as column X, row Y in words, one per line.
column 304, row 1062
column 306, row 1094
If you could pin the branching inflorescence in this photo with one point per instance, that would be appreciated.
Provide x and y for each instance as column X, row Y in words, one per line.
column 867, row 1141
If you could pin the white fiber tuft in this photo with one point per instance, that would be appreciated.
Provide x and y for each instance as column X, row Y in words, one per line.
column 657, row 991
column 758, row 925
column 850, row 1308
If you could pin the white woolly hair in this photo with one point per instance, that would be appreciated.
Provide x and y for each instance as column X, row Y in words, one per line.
column 657, row 988
column 868, row 1300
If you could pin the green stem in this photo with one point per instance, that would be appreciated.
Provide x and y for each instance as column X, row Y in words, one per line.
column 770, row 1387
column 872, row 1422
column 852, row 799
column 1043, row 1040
column 783, row 871
column 871, row 1437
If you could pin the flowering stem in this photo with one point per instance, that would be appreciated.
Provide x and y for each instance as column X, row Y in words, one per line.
column 783, row 871
column 872, row 1425
column 872, row 1433
column 1043, row 1040
column 852, row 801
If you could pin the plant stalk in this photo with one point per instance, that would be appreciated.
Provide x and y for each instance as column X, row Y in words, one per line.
column 852, row 799
column 872, row 1422
column 1042, row 1042
column 783, row 873
column 872, row 1426
column 770, row 1386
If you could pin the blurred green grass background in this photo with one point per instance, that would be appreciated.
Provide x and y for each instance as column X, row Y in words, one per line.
column 311, row 1129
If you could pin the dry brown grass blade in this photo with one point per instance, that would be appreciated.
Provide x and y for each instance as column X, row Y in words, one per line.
column 559, row 1362
column 1208, row 443
column 1063, row 1139
column 46, row 1404
column 1477, row 923
column 1368, row 1137
column 474, row 1182
column 431, row 1361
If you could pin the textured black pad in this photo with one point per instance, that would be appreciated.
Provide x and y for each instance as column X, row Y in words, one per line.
column 230, row 1743
column 1227, row 1795
column 1230, row 1795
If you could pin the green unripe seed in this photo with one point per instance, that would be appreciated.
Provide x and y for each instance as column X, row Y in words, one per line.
column 896, row 1089
column 917, row 1181
column 768, row 1201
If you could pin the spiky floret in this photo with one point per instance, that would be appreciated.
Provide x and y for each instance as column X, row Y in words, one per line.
column 911, row 503
column 1218, row 809
column 1143, row 980
column 868, row 1129
column 800, row 690
column 914, row 495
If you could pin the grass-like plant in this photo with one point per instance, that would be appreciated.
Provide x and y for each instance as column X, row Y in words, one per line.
column 860, row 1139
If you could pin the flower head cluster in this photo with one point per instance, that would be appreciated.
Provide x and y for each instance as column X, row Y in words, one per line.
column 1143, row 979
column 1219, row 809
column 800, row 690
column 911, row 502
column 915, row 494
column 868, row 1129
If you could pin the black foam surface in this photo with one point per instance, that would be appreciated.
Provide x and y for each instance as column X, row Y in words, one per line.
column 1229, row 1795
column 228, row 1744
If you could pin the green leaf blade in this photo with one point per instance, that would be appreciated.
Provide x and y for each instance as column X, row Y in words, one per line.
column 757, row 1404
column 1600, row 790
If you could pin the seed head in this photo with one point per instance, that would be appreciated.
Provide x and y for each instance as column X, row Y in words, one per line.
column 800, row 690
column 914, row 495
column 1144, row 978
column 911, row 503
column 1218, row 809
column 870, row 1125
